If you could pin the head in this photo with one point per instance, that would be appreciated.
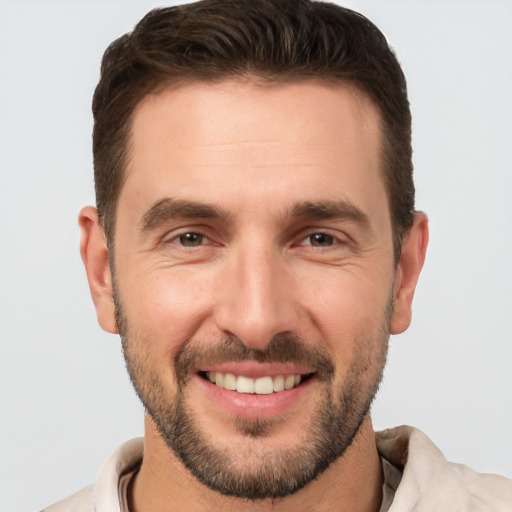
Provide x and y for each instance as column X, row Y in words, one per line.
column 253, row 174
column 273, row 41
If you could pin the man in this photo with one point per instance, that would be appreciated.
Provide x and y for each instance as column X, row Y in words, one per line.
column 255, row 243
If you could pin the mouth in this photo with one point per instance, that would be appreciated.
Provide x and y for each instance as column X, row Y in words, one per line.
column 248, row 389
column 263, row 385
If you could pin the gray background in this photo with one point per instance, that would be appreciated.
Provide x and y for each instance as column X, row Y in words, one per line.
column 65, row 399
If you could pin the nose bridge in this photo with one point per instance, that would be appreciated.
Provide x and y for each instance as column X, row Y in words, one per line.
column 255, row 303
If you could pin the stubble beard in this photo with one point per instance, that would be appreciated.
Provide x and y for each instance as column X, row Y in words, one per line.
column 273, row 474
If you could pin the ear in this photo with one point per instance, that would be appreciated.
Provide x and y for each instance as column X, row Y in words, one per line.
column 93, row 249
column 414, row 248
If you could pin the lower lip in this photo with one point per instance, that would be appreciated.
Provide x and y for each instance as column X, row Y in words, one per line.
column 246, row 405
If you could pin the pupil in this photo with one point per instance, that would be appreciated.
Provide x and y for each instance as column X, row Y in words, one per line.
column 191, row 239
column 321, row 239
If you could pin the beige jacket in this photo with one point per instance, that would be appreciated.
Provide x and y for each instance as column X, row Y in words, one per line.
column 429, row 483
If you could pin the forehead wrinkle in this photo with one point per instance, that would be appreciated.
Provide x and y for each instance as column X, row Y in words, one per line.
column 170, row 208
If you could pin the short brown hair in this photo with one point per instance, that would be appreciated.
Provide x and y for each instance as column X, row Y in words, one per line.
column 273, row 40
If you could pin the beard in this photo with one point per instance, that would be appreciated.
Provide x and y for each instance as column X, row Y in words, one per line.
column 333, row 424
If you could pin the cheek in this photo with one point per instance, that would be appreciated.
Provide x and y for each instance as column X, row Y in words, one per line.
column 348, row 307
column 166, row 308
column 355, row 328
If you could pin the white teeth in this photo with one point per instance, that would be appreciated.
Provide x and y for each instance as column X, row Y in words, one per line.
column 289, row 382
column 264, row 386
column 244, row 385
column 279, row 383
column 229, row 381
column 260, row 386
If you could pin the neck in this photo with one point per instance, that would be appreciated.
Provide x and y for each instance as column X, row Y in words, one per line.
column 353, row 482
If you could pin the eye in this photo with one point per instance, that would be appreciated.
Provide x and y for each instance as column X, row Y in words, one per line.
column 319, row 240
column 191, row 239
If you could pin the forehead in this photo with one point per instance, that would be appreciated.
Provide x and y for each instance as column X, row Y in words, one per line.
column 232, row 111
column 255, row 141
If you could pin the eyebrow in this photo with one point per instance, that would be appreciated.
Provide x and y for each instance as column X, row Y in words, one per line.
column 343, row 210
column 169, row 208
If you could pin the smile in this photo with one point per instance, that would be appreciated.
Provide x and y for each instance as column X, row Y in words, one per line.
column 259, row 386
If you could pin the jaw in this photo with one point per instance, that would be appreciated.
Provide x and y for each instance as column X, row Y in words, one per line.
column 339, row 485
column 236, row 444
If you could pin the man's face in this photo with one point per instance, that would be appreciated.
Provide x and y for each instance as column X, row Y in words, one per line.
column 254, row 248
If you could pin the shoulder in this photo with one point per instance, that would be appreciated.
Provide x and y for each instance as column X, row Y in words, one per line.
column 82, row 501
column 429, row 482
column 103, row 495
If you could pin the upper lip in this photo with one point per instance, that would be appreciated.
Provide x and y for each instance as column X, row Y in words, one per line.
column 256, row 370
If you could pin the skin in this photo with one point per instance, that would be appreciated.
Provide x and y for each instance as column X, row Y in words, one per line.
column 255, row 152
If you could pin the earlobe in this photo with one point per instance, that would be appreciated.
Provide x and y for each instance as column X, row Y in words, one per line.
column 94, row 252
column 414, row 248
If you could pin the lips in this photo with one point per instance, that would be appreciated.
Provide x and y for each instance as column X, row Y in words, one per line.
column 249, row 389
column 228, row 377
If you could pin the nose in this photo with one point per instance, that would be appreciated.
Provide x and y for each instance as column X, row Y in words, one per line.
column 256, row 299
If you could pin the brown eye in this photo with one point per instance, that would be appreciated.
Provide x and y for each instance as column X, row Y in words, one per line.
column 191, row 239
column 321, row 240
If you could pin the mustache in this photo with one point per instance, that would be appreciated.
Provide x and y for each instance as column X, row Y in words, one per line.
column 282, row 348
